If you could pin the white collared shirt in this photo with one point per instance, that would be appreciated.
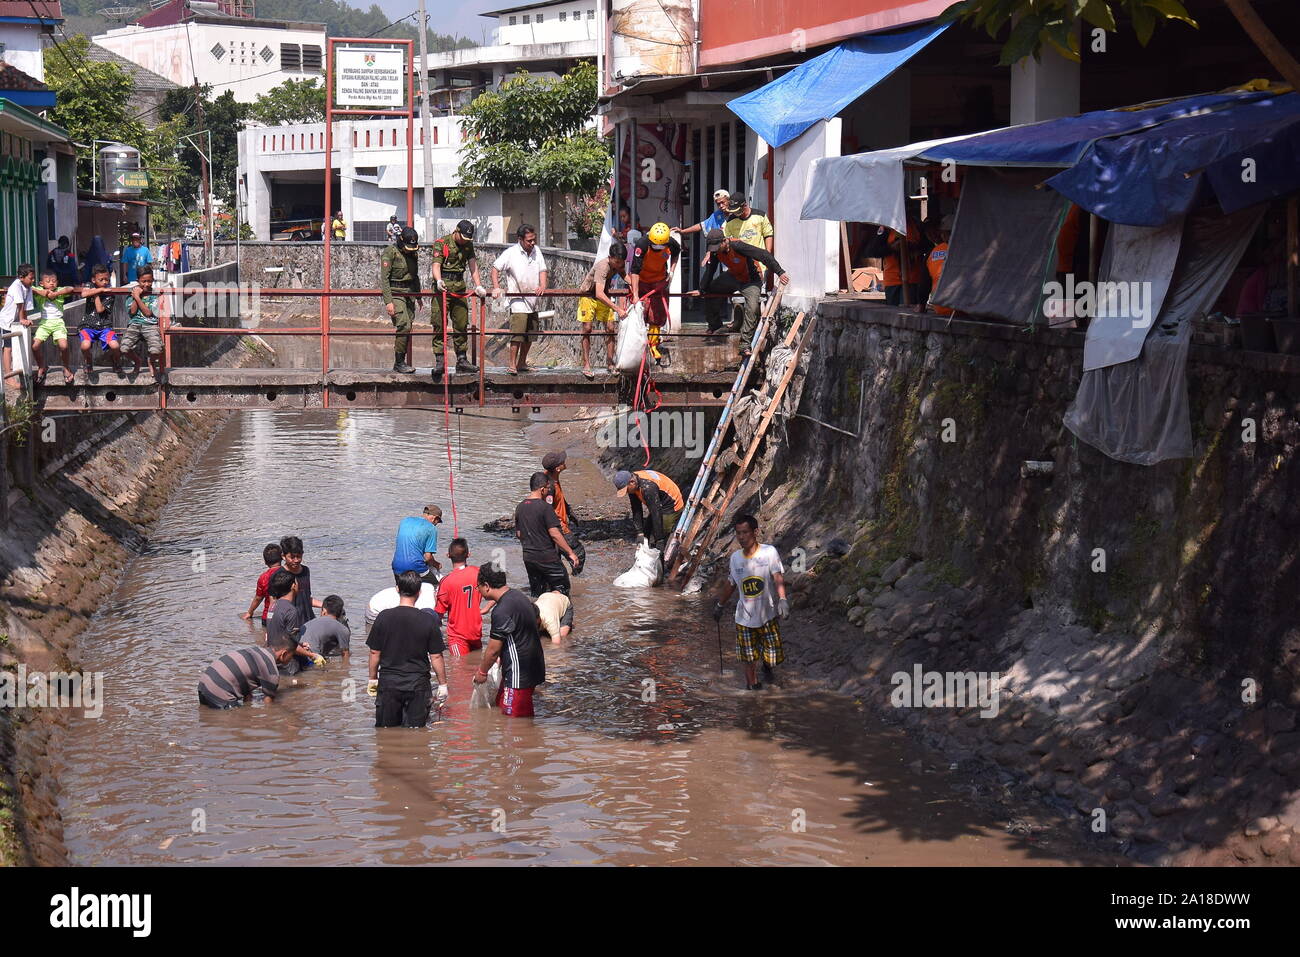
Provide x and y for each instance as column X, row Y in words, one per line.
column 522, row 272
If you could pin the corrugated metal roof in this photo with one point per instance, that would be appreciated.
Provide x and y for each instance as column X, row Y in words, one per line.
column 44, row 9
column 12, row 78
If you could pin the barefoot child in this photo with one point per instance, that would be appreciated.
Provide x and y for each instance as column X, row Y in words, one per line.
column 143, row 324
column 50, row 296
column 17, row 311
column 271, row 556
column 97, row 323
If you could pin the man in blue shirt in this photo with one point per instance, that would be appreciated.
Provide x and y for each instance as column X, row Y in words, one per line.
column 135, row 257
column 716, row 220
column 417, row 545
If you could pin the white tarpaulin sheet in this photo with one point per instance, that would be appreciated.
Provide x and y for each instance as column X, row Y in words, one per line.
column 1135, row 273
column 864, row 187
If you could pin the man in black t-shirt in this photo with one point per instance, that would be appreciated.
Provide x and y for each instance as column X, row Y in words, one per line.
column 538, row 529
column 515, row 641
column 405, row 643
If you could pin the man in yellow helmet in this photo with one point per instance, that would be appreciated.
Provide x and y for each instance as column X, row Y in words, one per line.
column 654, row 258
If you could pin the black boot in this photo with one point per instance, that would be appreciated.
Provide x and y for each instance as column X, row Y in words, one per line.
column 463, row 364
column 401, row 366
column 438, row 367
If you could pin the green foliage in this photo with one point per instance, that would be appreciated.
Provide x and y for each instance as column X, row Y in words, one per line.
column 1053, row 23
column 534, row 133
column 91, row 100
column 587, row 213
column 224, row 116
column 293, row 101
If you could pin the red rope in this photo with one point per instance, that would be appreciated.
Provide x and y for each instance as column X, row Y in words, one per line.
column 446, row 417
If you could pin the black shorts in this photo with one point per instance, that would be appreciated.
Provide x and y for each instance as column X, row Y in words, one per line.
column 403, row 709
column 546, row 576
column 208, row 701
column 431, row 576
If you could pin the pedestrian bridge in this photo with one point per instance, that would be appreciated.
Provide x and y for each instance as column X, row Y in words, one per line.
column 210, row 388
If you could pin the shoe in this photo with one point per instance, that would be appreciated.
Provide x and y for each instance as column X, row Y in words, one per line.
column 438, row 369
column 464, row 365
column 756, row 686
column 401, row 366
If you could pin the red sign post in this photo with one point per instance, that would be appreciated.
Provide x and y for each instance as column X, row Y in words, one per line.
column 356, row 81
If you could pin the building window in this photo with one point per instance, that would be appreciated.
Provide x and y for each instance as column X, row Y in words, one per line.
column 563, row 16
column 539, row 17
column 218, row 51
column 526, row 19
column 267, row 53
column 512, row 21
column 290, row 56
column 311, row 58
column 591, row 14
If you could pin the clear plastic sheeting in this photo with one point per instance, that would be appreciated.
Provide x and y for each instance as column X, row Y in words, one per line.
column 1137, row 411
column 1003, row 245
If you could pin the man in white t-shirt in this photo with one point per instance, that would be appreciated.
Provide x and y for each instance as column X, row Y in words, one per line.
column 524, row 271
column 17, row 311
column 755, row 570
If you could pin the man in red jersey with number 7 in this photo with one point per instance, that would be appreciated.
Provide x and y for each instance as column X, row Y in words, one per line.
column 459, row 601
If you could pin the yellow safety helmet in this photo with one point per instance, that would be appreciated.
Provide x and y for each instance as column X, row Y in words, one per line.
column 659, row 234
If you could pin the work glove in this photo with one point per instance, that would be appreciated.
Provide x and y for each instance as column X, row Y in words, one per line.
column 717, row 611
column 317, row 660
column 440, row 696
column 783, row 609
column 480, row 292
column 441, row 285
column 372, row 687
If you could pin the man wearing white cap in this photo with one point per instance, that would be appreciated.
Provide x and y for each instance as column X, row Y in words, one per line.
column 721, row 199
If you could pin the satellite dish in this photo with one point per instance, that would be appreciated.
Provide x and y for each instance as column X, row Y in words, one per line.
column 119, row 13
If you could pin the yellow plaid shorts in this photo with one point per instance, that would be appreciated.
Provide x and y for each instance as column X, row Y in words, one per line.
column 764, row 642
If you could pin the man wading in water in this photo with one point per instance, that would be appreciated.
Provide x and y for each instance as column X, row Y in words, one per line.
column 756, row 570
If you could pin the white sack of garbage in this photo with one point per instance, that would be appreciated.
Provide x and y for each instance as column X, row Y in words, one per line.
column 485, row 695
column 646, row 570
column 631, row 339
column 388, row 598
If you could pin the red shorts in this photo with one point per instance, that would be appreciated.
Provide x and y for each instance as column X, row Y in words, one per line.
column 462, row 646
column 516, row 702
column 656, row 307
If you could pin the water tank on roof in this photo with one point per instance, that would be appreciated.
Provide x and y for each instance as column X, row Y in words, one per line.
column 119, row 170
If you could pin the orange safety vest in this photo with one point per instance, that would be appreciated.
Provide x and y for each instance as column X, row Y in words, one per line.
column 938, row 256
column 665, row 485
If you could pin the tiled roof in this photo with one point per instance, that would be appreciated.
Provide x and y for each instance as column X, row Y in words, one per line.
column 45, row 9
column 145, row 80
column 12, row 78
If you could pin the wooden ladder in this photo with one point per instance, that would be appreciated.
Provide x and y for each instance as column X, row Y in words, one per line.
column 711, row 504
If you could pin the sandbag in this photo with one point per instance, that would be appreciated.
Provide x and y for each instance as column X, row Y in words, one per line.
column 485, row 695
column 631, row 339
column 646, row 571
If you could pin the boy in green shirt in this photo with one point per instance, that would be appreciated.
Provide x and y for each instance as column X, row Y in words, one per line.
column 50, row 296
column 144, row 309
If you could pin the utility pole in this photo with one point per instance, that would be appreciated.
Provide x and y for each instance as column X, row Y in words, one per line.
column 207, row 191
column 426, row 126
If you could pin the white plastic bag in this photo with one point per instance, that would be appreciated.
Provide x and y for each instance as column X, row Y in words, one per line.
column 631, row 339
column 485, row 695
column 646, row 571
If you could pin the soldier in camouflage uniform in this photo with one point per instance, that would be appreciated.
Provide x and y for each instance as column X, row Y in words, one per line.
column 452, row 256
column 399, row 279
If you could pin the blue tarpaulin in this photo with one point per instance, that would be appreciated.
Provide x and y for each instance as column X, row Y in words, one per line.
column 826, row 84
column 1064, row 141
column 1249, row 153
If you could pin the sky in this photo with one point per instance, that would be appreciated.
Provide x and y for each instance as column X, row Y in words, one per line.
column 458, row 18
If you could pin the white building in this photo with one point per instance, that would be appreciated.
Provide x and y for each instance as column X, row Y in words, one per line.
column 25, row 28
column 185, row 40
column 282, row 168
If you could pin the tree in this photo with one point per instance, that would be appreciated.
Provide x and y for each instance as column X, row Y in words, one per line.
column 1039, row 23
column 224, row 117
column 293, row 101
column 535, row 133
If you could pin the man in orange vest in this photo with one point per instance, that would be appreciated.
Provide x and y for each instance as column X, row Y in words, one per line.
column 935, row 261
column 659, row 495
column 654, row 257
column 732, row 268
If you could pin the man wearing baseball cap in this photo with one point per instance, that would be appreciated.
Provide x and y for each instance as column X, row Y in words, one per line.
column 399, row 281
column 135, row 257
column 553, row 465
column 660, row 497
column 721, row 199
column 452, row 256
column 733, row 267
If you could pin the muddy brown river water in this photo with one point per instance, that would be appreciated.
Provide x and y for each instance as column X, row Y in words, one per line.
column 703, row 773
